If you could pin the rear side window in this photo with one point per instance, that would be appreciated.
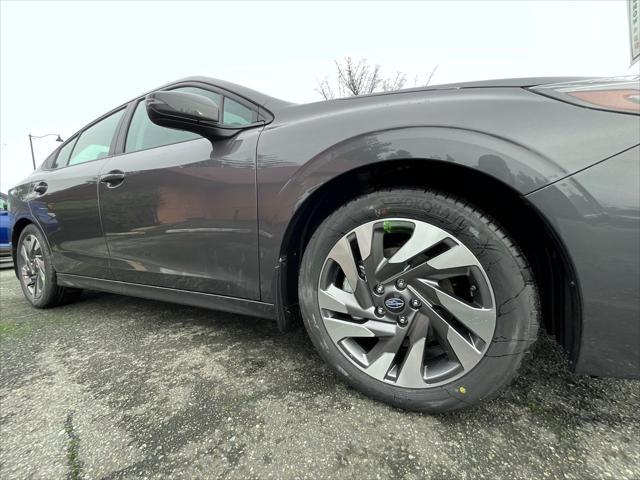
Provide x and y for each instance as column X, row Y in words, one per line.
column 95, row 141
column 65, row 153
column 144, row 134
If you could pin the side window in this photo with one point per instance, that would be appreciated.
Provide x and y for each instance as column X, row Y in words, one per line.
column 65, row 153
column 4, row 205
column 95, row 141
column 237, row 114
column 143, row 133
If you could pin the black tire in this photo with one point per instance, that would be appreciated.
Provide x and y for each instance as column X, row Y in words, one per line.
column 52, row 295
column 516, row 297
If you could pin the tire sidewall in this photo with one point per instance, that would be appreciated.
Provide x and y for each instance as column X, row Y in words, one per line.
column 505, row 267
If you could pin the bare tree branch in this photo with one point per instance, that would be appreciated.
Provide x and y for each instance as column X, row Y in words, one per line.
column 359, row 77
column 431, row 75
column 394, row 83
column 324, row 88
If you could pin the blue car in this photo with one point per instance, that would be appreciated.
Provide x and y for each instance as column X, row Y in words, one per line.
column 5, row 224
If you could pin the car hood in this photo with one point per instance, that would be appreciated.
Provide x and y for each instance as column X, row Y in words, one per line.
column 498, row 83
column 286, row 112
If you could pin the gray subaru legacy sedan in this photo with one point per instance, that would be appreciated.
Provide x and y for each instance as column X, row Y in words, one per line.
column 421, row 236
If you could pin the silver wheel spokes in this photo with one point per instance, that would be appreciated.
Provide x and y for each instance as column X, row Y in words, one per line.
column 32, row 270
column 407, row 303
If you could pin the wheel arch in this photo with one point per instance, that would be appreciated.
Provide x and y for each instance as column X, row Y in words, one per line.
column 559, row 289
column 18, row 226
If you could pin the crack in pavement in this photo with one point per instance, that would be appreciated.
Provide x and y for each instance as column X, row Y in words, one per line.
column 73, row 447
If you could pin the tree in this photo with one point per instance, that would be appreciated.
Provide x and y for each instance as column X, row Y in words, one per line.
column 359, row 77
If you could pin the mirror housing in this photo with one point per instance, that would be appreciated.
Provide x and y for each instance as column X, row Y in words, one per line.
column 187, row 111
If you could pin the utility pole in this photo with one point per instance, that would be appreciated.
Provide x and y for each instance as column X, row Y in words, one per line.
column 31, row 137
column 33, row 157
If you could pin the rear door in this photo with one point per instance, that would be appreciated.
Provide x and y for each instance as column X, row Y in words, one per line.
column 64, row 199
column 182, row 212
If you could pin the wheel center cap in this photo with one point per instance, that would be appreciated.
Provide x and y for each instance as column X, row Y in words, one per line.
column 394, row 304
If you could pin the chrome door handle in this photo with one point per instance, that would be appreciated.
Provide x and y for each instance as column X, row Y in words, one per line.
column 41, row 188
column 113, row 178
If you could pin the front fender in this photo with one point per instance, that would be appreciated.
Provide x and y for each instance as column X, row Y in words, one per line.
column 596, row 215
column 516, row 165
column 284, row 188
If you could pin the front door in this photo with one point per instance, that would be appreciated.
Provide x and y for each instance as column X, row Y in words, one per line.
column 179, row 211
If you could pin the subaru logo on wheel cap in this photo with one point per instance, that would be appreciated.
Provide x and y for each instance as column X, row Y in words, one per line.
column 394, row 304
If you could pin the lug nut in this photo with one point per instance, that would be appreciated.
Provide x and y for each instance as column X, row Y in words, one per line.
column 401, row 283
column 415, row 303
column 379, row 289
column 402, row 320
column 362, row 271
column 379, row 311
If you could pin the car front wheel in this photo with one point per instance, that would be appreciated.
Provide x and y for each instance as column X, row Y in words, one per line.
column 418, row 299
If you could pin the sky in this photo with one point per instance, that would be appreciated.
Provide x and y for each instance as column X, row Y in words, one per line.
column 62, row 64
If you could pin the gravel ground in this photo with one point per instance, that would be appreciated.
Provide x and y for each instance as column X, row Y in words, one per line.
column 115, row 387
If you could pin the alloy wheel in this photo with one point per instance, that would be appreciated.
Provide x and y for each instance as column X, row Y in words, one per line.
column 32, row 270
column 407, row 303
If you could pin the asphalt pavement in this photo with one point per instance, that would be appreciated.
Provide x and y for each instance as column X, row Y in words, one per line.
column 116, row 387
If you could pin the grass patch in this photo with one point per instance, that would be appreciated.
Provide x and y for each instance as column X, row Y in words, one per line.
column 7, row 329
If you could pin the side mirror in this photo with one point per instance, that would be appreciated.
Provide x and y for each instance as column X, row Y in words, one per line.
column 186, row 111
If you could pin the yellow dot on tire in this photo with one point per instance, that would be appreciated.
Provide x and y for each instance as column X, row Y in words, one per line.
column 462, row 390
